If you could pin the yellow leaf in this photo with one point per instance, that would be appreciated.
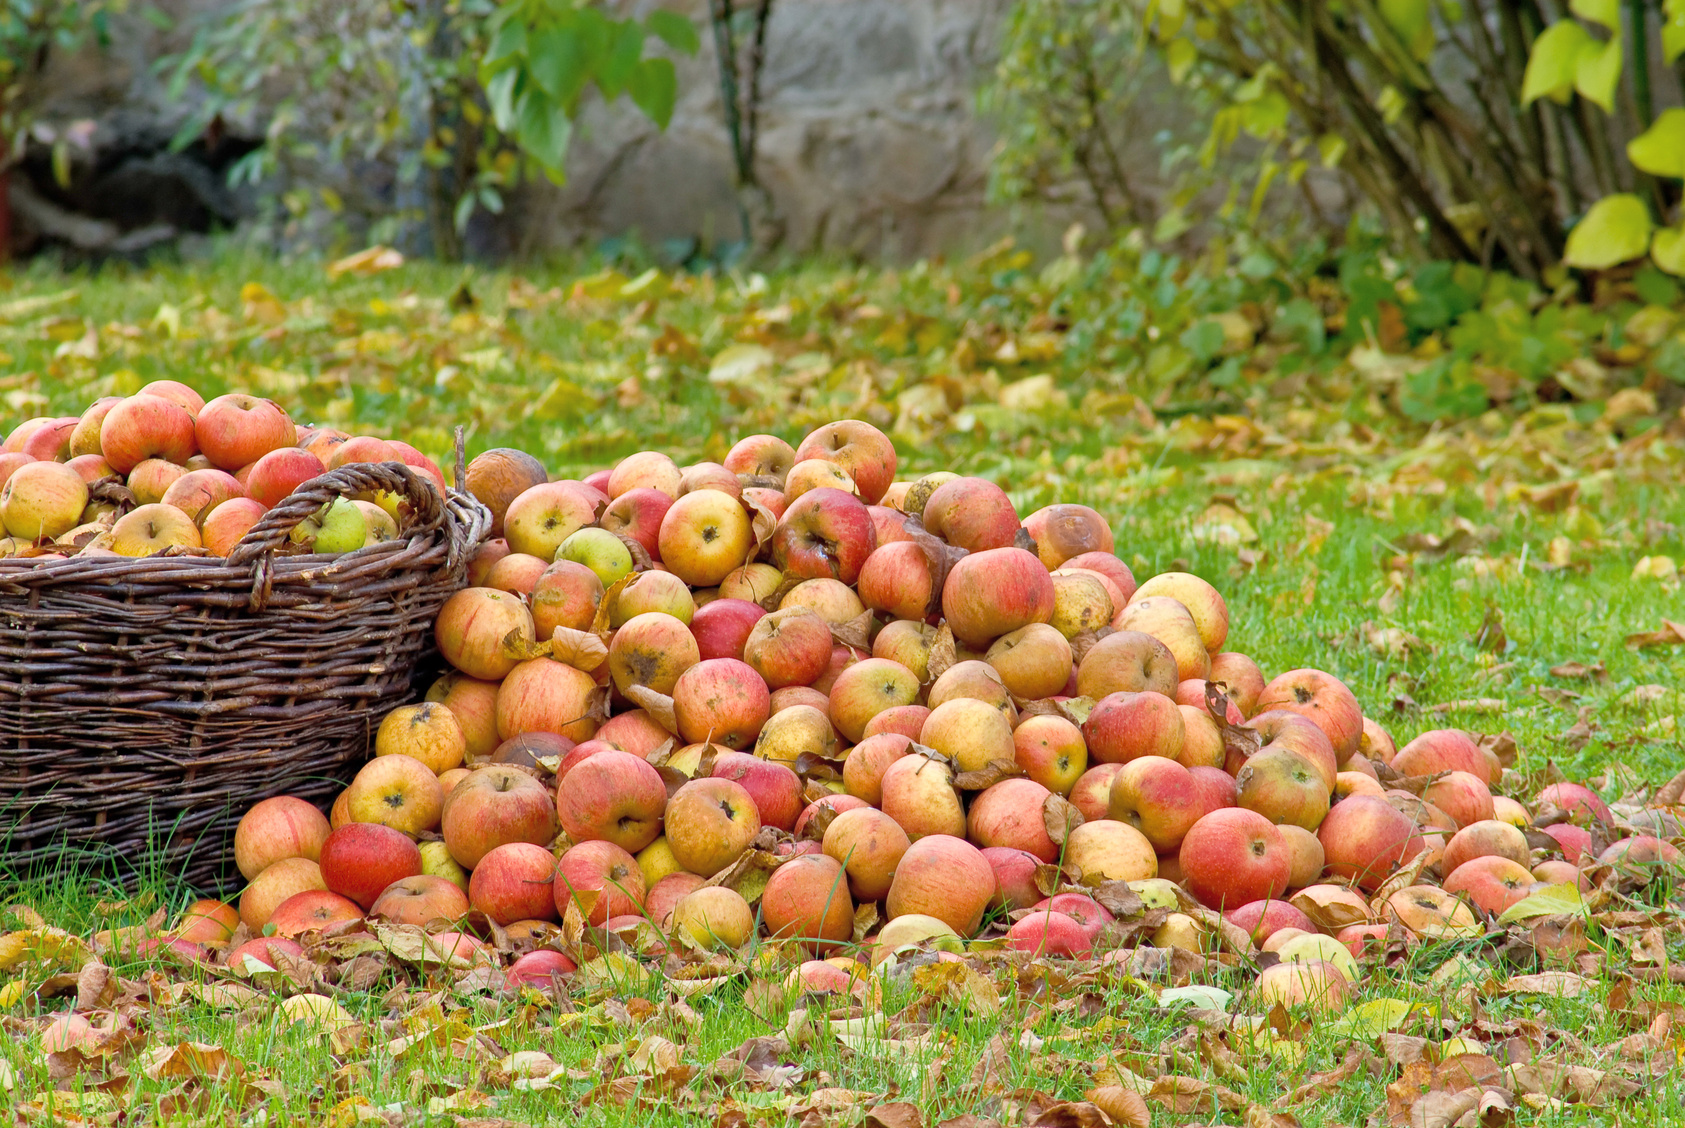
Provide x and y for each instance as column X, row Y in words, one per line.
column 1668, row 249
column 1615, row 230
column 1549, row 901
column 372, row 261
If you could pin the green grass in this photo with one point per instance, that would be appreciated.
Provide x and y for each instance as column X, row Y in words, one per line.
column 1337, row 489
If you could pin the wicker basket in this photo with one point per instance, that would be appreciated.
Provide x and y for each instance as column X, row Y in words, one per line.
column 146, row 703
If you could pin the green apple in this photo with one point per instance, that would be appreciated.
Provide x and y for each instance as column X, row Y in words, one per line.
column 338, row 526
column 436, row 860
column 599, row 550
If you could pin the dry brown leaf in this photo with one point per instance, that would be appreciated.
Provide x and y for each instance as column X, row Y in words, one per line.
column 1124, row 1106
column 897, row 1114
column 658, row 705
column 582, row 650
column 1060, row 816
column 944, row 652
column 1072, row 1114
column 1328, row 1081
column 1561, row 984
column 1671, row 634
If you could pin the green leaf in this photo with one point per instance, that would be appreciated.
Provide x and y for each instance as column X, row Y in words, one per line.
column 1660, row 150
column 543, row 131
column 655, row 88
column 1377, row 1017
column 674, row 30
column 557, row 60
column 1412, row 21
column 501, row 93
column 1605, row 12
column 1669, row 249
column 1549, row 901
column 510, row 38
column 1598, row 72
column 1552, row 66
column 1179, row 57
column 617, row 66
column 1615, row 230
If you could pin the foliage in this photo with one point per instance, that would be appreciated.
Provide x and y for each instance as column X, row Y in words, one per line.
column 383, row 112
column 30, row 30
column 1465, row 149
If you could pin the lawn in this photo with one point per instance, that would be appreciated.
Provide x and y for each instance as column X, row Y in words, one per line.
column 1490, row 573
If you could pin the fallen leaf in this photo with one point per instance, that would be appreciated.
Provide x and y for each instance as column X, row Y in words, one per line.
column 1671, row 634
column 1561, row 984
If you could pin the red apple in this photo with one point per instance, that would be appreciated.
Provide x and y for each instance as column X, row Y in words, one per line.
column 1364, row 838
column 543, row 695
column 1233, row 856
column 775, row 789
column 515, row 881
column 651, row 650
column 1283, row 786
column 789, row 647
column 825, row 533
column 542, row 517
column 1127, row 661
column 989, row 593
column 1045, row 933
column 763, row 456
column 647, row 469
column 722, row 627
column 312, row 911
column 359, row 860
column 945, row 877
column 867, row 762
column 1324, row 699
column 807, row 899
column 277, row 828
column 601, row 878
column 1492, row 883
column 496, row 805
column 895, row 579
column 1489, row 838
column 143, row 427
column 704, row 536
column 1009, row 813
column 972, row 513
column 1125, row 726
column 615, row 797
column 908, row 720
column 1015, row 877
column 918, row 793
column 1092, row 792
column 1582, row 804
column 1159, row 798
column 540, row 968
column 1065, row 533
column 721, row 700
column 1051, row 750
column 869, row 845
column 237, row 429
column 1574, row 840
column 860, row 449
column 1462, row 796
column 1262, row 919
column 421, row 900
column 1239, row 678
column 1080, row 907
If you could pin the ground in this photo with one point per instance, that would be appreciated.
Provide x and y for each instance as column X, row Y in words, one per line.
column 1500, row 573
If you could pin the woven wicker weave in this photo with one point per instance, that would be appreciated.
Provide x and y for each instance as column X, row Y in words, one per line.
column 146, row 703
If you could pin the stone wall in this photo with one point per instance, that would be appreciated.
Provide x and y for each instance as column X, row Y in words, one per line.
column 870, row 141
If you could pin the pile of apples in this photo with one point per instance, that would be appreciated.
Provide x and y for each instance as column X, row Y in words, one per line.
column 895, row 693
column 201, row 475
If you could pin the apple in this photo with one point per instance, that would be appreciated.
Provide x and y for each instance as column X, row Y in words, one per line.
column 860, row 449
column 498, row 476
column 789, row 647
column 867, row 688
column 1431, row 913
column 667, row 892
column 1376, row 743
column 633, row 731
column 266, row 950
column 1492, row 883
column 1640, row 857
column 274, row 885
column 1092, row 792
column 816, row 473
column 972, row 513
column 1124, row 726
column 1127, row 661
column 918, row 792
column 312, row 911
column 1082, row 602
column 276, row 828
column 651, row 650
column 1033, row 661
column 868, row 761
column 972, row 680
column 971, row 734
column 474, row 705
column 613, row 796
column 1505, row 809
column 564, row 594
column 1009, row 813
column 638, row 514
column 471, row 627
column 710, row 821
column 1364, row 839
column 793, row 695
column 1080, row 907
column 1262, row 919
column 751, row 583
column 991, row 593
column 541, row 968
column 835, row 803
column 908, row 720
column 832, row 600
column 543, row 516
column 1015, row 877
column 1313, row 947
column 869, row 845
column 1305, row 854
column 916, row 932
column 842, row 657
column 1111, row 851
column 790, row 732
column 1050, row 934
column 1239, row 678
column 601, row 878
column 709, row 476
column 1064, row 533
column 338, row 526
column 1575, row 840
column 421, row 900
column 764, row 456
column 543, row 695
column 496, row 805
column 1210, row 613
column 236, row 429
column 273, row 478
column 396, row 791
column 650, row 591
column 429, row 732
column 198, row 492
column 518, row 574
column 207, row 922
column 42, row 500
column 1299, row 734
column 895, row 579
column 1232, row 856
column 84, row 437
column 1283, row 786
column 775, row 789
column 645, row 470
column 704, row 536
column 515, row 881
column 1583, row 805
column 757, row 498
column 1173, row 624
column 722, row 627
column 176, row 392
column 825, row 533
column 807, row 899
column 359, row 860
column 146, row 426
column 945, row 877
column 715, row 918
column 1489, row 838
column 1462, row 796
column 1441, row 750
column 1324, row 699
column 1108, row 565
column 890, row 525
column 1051, row 750
column 721, row 700
column 1202, row 741
column 1157, row 797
